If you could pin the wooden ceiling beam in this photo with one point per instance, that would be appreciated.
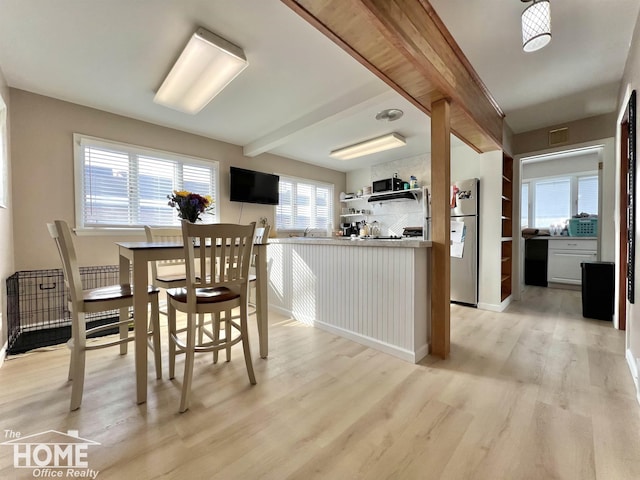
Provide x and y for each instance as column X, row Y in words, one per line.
column 405, row 43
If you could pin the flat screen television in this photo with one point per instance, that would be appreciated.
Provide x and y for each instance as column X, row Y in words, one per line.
column 253, row 187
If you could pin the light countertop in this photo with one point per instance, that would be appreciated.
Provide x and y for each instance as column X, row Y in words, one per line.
column 347, row 242
column 560, row 237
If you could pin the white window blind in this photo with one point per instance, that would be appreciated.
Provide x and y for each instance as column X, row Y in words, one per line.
column 588, row 194
column 119, row 185
column 304, row 203
column 553, row 201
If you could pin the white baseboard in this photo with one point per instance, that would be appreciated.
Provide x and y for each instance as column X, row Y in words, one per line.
column 406, row 355
column 492, row 307
column 633, row 367
column 280, row 310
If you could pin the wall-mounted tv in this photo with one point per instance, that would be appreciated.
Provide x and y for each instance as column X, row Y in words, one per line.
column 253, row 187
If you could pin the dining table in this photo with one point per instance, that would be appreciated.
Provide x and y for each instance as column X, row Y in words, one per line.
column 134, row 270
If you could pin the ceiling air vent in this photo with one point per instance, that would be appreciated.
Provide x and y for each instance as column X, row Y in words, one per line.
column 558, row 136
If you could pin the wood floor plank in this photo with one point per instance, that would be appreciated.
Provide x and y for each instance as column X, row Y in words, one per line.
column 559, row 445
column 536, row 391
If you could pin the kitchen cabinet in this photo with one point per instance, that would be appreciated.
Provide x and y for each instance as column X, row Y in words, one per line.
column 565, row 256
column 535, row 262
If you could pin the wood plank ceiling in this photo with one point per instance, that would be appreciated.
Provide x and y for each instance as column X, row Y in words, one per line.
column 405, row 43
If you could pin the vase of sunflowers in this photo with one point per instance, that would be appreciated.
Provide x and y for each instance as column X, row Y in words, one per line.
column 190, row 205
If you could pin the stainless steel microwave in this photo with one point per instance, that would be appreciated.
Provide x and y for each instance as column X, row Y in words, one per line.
column 387, row 185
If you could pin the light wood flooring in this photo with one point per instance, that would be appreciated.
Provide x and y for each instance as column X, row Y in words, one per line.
column 536, row 392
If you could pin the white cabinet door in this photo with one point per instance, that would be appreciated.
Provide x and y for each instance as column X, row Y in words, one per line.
column 564, row 265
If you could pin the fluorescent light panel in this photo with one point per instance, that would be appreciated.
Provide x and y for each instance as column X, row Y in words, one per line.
column 375, row 145
column 205, row 67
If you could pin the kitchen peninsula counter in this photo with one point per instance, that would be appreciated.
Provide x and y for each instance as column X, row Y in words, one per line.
column 357, row 242
column 372, row 291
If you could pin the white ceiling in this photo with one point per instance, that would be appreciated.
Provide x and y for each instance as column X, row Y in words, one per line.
column 302, row 96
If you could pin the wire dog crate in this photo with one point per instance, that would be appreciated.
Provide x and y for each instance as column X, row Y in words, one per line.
column 37, row 310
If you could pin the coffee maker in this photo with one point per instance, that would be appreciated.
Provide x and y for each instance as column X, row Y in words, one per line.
column 349, row 229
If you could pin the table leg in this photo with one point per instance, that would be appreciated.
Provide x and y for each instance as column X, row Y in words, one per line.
column 262, row 315
column 140, row 319
column 124, row 270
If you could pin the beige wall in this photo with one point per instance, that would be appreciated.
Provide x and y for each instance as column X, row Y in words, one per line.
column 6, row 231
column 631, row 81
column 42, row 149
column 507, row 139
column 580, row 131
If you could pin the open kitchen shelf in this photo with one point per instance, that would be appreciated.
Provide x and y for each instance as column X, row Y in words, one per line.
column 410, row 194
column 507, row 227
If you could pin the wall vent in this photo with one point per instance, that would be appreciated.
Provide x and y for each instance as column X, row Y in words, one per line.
column 558, row 136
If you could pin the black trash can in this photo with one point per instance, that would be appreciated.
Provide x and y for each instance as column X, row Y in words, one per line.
column 598, row 290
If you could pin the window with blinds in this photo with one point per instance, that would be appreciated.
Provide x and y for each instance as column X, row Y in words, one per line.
column 553, row 200
column 304, row 203
column 124, row 186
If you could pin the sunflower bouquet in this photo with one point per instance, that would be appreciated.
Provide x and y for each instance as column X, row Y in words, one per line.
column 190, row 205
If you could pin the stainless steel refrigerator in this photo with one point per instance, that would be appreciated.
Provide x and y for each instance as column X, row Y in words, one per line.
column 465, row 207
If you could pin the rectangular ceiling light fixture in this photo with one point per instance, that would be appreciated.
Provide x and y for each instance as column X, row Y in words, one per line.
column 374, row 145
column 205, row 67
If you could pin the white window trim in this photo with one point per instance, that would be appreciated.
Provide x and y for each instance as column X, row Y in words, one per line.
column 130, row 148
column 316, row 183
column 4, row 156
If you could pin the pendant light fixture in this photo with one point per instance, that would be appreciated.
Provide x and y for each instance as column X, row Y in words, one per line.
column 536, row 25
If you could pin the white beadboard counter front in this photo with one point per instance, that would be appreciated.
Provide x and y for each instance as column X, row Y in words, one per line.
column 375, row 292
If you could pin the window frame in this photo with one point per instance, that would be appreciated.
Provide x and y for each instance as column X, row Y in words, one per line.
column 4, row 155
column 81, row 140
column 316, row 184
column 573, row 193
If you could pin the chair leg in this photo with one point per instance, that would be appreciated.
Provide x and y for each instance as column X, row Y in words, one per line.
column 227, row 333
column 200, row 328
column 77, row 361
column 124, row 330
column 244, row 331
column 215, row 319
column 188, row 363
column 155, row 334
column 77, row 386
column 171, row 320
column 72, row 360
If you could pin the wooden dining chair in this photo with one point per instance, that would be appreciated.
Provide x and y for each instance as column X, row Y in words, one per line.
column 221, row 286
column 166, row 273
column 261, row 237
column 102, row 299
